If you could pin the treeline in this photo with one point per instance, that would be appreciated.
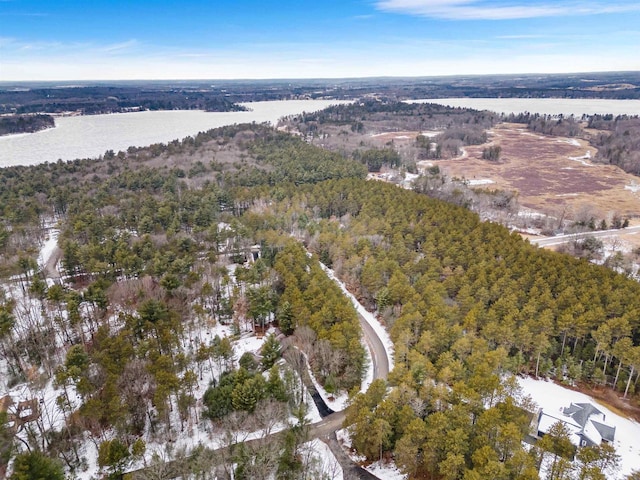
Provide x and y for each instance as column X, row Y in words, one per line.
column 24, row 123
column 558, row 125
column 613, row 85
column 310, row 299
column 99, row 99
column 376, row 158
column 367, row 115
column 619, row 143
column 467, row 304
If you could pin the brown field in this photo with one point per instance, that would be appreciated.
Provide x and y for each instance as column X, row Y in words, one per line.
column 552, row 175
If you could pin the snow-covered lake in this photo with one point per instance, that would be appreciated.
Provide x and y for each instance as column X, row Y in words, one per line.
column 92, row 135
column 549, row 106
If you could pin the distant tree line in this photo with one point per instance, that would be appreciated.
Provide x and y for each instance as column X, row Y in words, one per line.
column 558, row 125
column 24, row 123
column 396, row 116
column 96, row 100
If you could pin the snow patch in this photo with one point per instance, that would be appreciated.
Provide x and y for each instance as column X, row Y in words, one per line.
column 570, row 141
column 48, row 247
column 582, row 159
column 388, row 471
column 431, row 133
column 634, row 187
column 384, row 470
column 323, row 462
column 480, row 181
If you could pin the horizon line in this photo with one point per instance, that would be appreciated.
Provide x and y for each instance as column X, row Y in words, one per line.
column 284, row 79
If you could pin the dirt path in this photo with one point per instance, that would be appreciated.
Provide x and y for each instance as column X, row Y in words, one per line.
column 50, row 269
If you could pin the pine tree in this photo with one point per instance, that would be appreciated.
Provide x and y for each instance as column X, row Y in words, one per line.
column 36, row 466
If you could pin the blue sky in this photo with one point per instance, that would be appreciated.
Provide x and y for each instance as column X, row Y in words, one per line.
column 224, row 39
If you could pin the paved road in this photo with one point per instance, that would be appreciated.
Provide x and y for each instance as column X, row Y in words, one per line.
column 326, row 428
column 379, row 358
column 560, row 239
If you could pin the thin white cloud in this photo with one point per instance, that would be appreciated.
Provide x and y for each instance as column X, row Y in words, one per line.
column 120, row 47
column 494, row 10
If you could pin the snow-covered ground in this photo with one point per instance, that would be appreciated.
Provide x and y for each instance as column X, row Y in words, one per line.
column 386, row 471
column 409, row 178
column 553, row 397
column 322, row 461
column 48, row 247
column 381, row 469
column 197, row 431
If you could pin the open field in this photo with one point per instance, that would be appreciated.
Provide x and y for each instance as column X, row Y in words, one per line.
column 552, row 175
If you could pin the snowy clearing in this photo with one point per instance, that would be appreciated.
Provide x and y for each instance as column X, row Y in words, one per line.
column 387, row 471
column 553, row 397
column 431, row 133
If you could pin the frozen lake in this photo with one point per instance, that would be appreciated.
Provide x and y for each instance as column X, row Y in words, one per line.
column 550, row 106
column 92, row 135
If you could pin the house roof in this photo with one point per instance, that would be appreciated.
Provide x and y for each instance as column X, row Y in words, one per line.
column 607, row 431
column 582, row 412
column 584, row 420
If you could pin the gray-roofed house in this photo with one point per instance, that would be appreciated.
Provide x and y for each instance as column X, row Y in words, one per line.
column 586, row 424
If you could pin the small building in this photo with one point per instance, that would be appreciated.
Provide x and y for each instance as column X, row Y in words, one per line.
column 585, row 422
column 18, row 414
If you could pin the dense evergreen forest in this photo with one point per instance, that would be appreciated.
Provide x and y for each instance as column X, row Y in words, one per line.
column 467, row 303
column 157, row 247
